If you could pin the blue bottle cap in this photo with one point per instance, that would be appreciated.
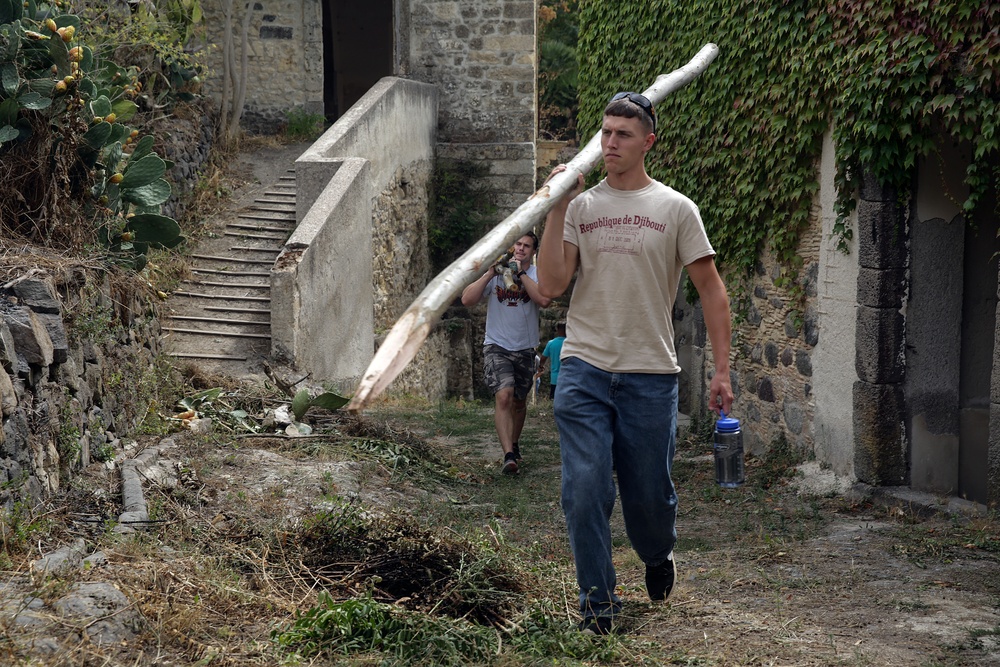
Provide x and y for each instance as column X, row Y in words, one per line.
column 727, row 424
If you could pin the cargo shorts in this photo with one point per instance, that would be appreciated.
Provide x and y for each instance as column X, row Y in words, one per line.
column 503, row 368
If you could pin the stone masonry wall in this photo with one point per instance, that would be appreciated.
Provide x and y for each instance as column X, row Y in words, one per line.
column 285, row 60
column 481, row 56
column 400, row 270
column 400, row 260
column 75, row 345
column 772, row 357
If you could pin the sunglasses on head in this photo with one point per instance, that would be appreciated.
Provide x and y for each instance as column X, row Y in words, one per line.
column 641, row 101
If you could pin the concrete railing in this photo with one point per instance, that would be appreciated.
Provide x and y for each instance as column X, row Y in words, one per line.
column 322, row 318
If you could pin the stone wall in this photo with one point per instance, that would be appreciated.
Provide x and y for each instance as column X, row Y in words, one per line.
column 772, row 355
column 76, row 346
column 400, row 270
column 187, row 141
column 481, row 56
column 400, row 260
column 284, row 60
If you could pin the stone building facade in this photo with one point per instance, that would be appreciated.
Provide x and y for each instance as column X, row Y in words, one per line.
column 321, row 56
column 284, row 58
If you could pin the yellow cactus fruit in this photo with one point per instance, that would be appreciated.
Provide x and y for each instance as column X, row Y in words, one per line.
column 67, row 33
column 75, row 54
column 116, row 178
column 133, row 134
column 68, row 80
column 51, row 25
column 127, row 236
column 35, row 35
column 110, row 118
column 60, row 87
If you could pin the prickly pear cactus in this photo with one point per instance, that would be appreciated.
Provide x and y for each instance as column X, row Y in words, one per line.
column 64, row 133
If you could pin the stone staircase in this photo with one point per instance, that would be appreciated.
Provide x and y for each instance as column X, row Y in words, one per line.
column 220, row 318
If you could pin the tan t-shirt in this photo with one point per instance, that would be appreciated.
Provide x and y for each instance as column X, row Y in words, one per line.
column 633, row 245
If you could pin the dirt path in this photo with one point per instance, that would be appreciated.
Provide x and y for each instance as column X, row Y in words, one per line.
column 768, row 574
column 788, row 570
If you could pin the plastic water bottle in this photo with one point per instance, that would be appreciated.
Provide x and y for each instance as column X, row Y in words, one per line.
column 728, row 449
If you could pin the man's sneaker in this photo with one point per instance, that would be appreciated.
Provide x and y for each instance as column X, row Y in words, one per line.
column 596, row 625
column 660, row 579
column 509, row 464
column 517, row 453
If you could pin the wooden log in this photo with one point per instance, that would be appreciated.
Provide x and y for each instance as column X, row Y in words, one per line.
column 413, row 327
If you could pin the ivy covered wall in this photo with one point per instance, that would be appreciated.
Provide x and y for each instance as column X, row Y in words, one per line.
column 744, row 139
column 890, row 83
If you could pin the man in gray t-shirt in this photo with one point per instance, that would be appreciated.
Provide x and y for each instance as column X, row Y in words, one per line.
column 511, row 339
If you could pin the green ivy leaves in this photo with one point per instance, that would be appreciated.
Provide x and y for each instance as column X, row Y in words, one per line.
column 744, row 139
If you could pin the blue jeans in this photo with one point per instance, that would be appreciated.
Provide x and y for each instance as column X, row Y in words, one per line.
column 624, row 424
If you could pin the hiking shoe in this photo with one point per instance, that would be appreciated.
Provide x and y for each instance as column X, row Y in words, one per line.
column 517, row 453
column 596, row 625
column 509, row 464
column 660, row 579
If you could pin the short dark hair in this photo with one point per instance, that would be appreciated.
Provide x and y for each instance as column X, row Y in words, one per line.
column 632, row 105
column 534, row 239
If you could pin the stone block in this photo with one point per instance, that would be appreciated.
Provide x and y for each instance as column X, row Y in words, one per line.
column 881, row 235
column 765, row 390
column 8, row 352
column 15, row 438
column 771, row 354
column 879, row 436
column 8, row 397
column 794, row 416
column 791, row 330
column 31, row 339
column 881, row 288
column 57, row 334
column 810, row 326
column 38, row 292
column 878, row 345
column 803, row 363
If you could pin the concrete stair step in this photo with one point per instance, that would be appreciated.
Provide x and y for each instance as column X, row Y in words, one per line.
column 220, row 317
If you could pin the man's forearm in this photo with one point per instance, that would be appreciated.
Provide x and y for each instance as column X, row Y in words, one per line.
column 473, row 294
column 531, row 287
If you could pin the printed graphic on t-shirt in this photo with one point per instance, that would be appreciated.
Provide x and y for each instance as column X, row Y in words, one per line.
column 511, row 297
column 624, row 235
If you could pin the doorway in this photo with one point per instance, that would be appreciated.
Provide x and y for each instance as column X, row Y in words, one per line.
column 950, row 329
column 979, row 307
column 357, row 51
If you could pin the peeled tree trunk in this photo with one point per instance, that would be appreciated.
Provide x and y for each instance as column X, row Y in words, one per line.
column 413, row 327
